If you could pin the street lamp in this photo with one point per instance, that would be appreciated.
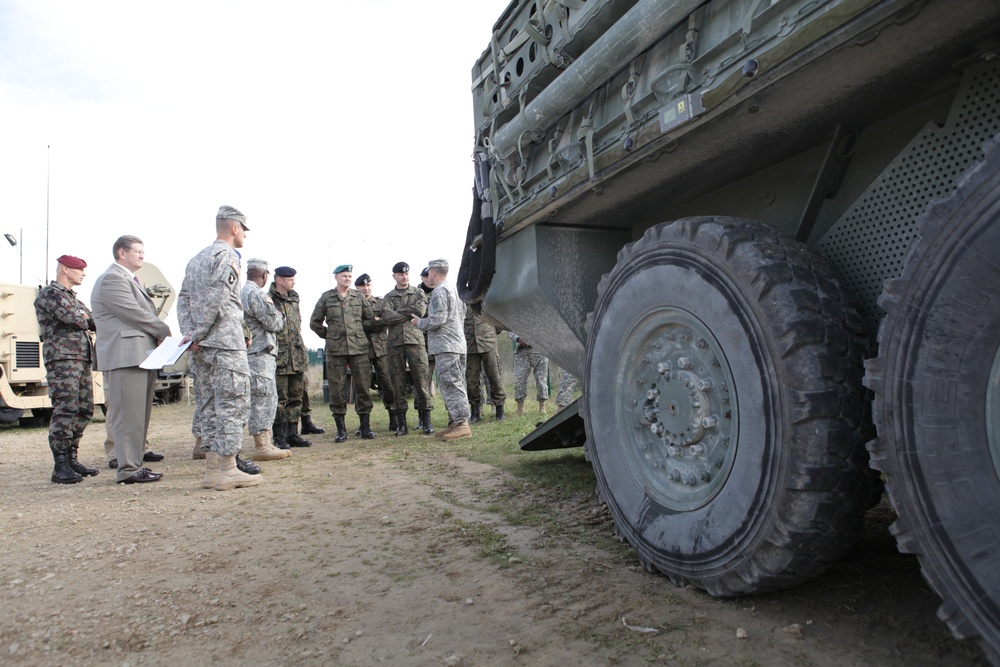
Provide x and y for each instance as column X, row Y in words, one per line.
column 20, row 252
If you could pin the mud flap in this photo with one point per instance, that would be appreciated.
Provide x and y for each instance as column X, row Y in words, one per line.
column 564, row 430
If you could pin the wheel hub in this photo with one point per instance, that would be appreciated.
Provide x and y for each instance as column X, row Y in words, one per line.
column 682, row 410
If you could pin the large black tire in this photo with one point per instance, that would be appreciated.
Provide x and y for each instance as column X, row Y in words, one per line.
column 937, row 405
column 724, row 406
column 9, row 415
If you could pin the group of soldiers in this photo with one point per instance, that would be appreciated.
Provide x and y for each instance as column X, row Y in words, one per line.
column 249, row 359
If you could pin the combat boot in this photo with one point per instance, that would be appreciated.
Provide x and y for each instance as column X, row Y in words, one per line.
column 278, row 435
column 230, row 477
column 197, row 452
column 401, row 427
column 62, row 473
column 425, row 422
column 520, row 408
column 475, row 418
column 459, row 430
column 211, row 470
column 308, row 428
column 499, row 412
column 541, row 406
column 393, row 420
column 292, row 436
column 341, row 428
column 366, row 427
column 78, row 467
column 249, row 467
column 263, row 450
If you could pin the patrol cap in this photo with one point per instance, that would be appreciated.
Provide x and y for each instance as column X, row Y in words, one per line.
column 438, row 264
column 71, row 262
column 426, row 272
column 284, row 271
column 400, row 267
column 344, row 267
column 230, row 213
column 257, row 263
column 363, row 279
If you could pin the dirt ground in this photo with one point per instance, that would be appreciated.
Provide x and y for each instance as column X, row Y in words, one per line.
column 396, row 551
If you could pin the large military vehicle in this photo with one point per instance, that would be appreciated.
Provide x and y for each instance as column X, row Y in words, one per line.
column 752, row 226
column 24, row 391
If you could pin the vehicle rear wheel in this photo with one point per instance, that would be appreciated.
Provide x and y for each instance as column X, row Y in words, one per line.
column 937, row 403
column 724, row 408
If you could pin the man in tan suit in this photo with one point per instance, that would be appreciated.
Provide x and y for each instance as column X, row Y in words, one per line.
column 127, row 329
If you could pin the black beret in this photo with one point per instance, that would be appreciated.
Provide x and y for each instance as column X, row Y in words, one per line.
column 363, row 279
column 400, row 267
column 426, row 272
column 284, row 271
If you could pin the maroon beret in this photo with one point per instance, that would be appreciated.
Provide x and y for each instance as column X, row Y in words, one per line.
column 71, row 262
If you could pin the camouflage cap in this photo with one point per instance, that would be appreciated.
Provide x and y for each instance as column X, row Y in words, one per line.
column 438, row 264
column 230, row 213
column 284, row 271
column 256, row 263
column 71, row 262
column 363, row 279
column 344, row 267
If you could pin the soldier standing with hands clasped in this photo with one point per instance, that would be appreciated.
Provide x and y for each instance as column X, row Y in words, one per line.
column 210, row 314
column 292, row 361
column 407, row 348
column 341, row 317
column 446, row 341
column 68, row 352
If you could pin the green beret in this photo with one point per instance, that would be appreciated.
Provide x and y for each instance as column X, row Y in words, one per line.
column 344, row 267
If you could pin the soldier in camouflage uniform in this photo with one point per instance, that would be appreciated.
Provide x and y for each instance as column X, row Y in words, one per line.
column 68, row 353
column 378, row 351
column 341, row 317
column 567, row 385
column 482, row 356
column 527, row 360
column 407, row 347
column 210, row 313
column 263, row 321
column 292, row 362
column 446, row 341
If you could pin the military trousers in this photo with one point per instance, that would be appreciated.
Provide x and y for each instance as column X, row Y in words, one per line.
column 361, row 378
column 476, row 364
column 416, row 357
column 71, row 390
column 222, row 379
column 290, row 389
column 451, row 382
column 567, row 385
column 530, row 362
column 263, row 392
column 380, row 366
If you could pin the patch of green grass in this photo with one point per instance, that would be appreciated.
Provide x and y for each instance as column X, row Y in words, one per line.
column 492, row 543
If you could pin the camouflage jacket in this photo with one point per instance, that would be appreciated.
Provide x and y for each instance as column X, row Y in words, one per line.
column 397, row 308
column 292, row 355
column 480, row 335
column 208, row 305
column 378, row 334
column 262, row 319
column 445, row 321
column 342, row 322
column 65, row 323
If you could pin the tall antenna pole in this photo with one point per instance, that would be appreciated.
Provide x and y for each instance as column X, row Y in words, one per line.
column 48, row 163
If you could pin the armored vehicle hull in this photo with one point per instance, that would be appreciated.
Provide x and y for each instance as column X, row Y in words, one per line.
column 737, row 220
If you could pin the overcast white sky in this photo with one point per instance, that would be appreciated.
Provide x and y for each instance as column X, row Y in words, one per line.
column 342, row 129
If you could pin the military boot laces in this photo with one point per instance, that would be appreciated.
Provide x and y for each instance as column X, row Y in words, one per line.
column 309, row 428
column 366, row 428
column 341, row 429
column 293, row 438
column 278, row 435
